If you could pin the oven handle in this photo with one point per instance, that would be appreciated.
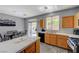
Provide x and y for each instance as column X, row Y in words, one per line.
column 71, row 42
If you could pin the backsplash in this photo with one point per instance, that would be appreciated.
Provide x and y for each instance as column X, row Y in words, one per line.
column 66, row 30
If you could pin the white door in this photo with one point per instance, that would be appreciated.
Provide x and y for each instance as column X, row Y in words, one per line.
column 32, row 29
column 29, row 29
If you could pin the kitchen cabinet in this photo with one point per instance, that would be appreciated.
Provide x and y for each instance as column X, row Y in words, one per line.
column 38, row 46
column 33, row 48
column 76, row 20
column 42, row 24
column 62, row 41
column 68, row 22
column 50, row 39
column 57, row 40
column 47, row 38
column 30, row 49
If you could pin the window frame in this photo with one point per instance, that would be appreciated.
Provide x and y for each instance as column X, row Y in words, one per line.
column 52, row 24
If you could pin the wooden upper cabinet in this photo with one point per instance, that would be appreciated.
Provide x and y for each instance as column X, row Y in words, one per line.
column 42, row 23
column 68, row 22
column 76, row 20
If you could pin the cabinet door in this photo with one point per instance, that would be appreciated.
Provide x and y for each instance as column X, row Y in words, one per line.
column 62, row 41
column 76, row 20
column 52, row 39
column 47, row 38
column 41, row 23
column 68, row 22
column 38, row 46
column 30, row 49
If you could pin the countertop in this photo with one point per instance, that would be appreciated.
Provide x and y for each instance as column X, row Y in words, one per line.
column 41, row 32
column 66, row 34
column 69, row 35
column 17, row 44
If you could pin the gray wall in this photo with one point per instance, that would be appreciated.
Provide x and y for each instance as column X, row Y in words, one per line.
column 19, row 24
column 25, row 25
column 60, row 13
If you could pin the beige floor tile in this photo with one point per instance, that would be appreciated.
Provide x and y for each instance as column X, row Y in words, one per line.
column 45, row 48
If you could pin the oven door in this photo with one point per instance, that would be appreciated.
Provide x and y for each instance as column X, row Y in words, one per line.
column 72, row 45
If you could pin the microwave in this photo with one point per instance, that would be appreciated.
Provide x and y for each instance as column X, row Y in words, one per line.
column 76, row 31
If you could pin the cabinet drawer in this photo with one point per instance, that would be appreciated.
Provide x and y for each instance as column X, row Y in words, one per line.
column 62, row 37
column 46, row 35
column 53, row 36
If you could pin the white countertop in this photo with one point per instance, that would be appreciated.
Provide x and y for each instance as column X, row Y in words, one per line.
column 41, row 32
column 69, row 35
column 17, row 44
column 66, row 34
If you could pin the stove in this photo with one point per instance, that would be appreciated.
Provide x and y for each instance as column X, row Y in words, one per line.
column 73, row 44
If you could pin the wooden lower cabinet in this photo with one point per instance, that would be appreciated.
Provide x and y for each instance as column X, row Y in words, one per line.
column 30, row 49
column 62, row 41
column 38, row 46
column 57, row 40
column 52, row 39
column 47, row 38
column 33, row 48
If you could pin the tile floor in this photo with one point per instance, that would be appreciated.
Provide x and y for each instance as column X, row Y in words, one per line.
column 45, row 48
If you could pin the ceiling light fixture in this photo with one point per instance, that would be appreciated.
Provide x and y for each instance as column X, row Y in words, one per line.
column 24, row 14
column 46, row 8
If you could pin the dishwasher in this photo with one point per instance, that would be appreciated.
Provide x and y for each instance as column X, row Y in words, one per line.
column 41, row 35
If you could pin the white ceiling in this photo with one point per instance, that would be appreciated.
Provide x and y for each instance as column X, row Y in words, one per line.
column 25, row 11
